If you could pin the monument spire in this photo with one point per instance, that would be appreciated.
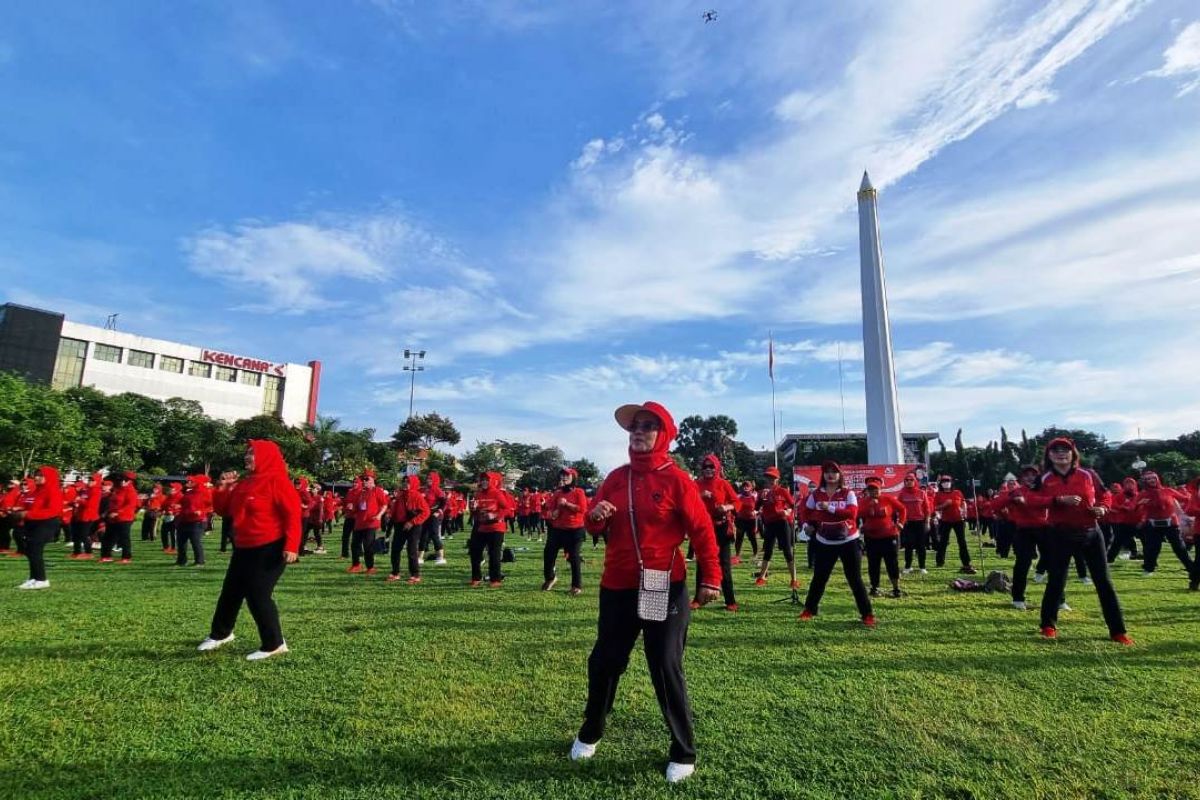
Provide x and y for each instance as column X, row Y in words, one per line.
column 884, row 443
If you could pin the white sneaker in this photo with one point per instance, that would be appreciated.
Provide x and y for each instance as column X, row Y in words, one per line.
column 1039, row 577
column 581, row 751
column 320, row 551
column 1146, row 574
column 908, row 570
column 924, row 571
column 1063, row 606
column 1124, row 556
column 27, row 584
column 1085, row 580
column 210, row 643
column 441, row 562
column 420, row 559
column 259, row 655
column 1019, row 605
column 679, row 772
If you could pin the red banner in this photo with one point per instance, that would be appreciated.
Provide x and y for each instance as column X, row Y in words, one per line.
column 856, row 475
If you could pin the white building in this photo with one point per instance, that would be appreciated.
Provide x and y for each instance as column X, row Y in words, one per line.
column 228, row 386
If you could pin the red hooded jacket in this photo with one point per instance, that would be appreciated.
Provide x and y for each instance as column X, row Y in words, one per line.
column 263, row 505
column 409, row 505
column 47, row 498
column 559, row 514
column 716, row 491
column 492, row 506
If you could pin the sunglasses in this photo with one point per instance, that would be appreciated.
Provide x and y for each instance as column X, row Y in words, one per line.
column 645, row 426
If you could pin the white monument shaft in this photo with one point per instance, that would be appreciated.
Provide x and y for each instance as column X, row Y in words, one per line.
column 884, row 443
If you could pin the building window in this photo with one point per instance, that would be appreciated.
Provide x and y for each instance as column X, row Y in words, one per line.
column 140, row 358
column 170, row 364
column 106, row 352
column 68, row 369
column 226, row 374
column 272, row 395
column 251, row 378
column 199, row 369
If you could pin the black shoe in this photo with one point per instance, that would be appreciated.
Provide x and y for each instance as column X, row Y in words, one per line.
column 897, row 593
column 967, row 570
column 874, row 591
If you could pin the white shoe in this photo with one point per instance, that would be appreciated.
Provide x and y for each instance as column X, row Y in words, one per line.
column 679, row 772
column 27, row 584
column 924, row 571
column 210, row 643
column 420, row 559
column 1039, row 577
column 581, row 751
column 1019, row 605
column 320, row 551
column 259, row 655
column 441, row 562
column 1146, row 574
column 1063, row 607
column 1085, row 580
column 908, row 570
column 1123, row 556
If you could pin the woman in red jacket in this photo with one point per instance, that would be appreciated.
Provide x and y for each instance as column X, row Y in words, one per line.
column 833, row 513
column 194, row 508
column 1029, row 529
column 647, row 509
column 777, row 506
column 564, row 516
column 42, row 519
column 118, row 518
column 918, row 514
column 1157, row 506
column 266, row 536
column 87, row 516
column 950, row 504
column 746, row 521
column 1068, row 493
column 1122, row 517
column 409, row 512
column 370, row 504
column 719, row 500
column 882, row 520
column 490, row 508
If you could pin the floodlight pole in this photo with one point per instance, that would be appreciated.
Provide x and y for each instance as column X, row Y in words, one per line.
column 412, row 367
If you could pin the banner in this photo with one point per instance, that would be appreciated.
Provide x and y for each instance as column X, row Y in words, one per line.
column 856, row 475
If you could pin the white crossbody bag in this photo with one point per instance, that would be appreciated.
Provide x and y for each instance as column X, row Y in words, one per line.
column 654, row 585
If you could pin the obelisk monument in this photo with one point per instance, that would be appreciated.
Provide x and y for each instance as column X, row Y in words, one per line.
column 884, row 443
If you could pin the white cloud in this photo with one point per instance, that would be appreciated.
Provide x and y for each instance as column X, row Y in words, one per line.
column 1182, row 60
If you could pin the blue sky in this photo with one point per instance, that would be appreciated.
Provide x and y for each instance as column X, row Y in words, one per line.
column 571, row 206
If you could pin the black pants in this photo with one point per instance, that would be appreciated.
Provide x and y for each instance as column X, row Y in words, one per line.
column 725, row 555
column 960, row 532
column 116, row 534
column 1004, row 536
column 363, row 548
column 777, row 531
column 747, row 528
column 1025, row 546
column 190, row 533
column 6, row 529
column 886, row 551
column 149, row 520
column 81, row 536
column 431, row 533
column 252, row 575
column 37, row 535
column 312, row 529
column 347, row 535
column 166, row 533
column 410, row 541
column 226, row 532
column 494, row 544
column 825, row 557
column 560, row 539
column 916, row 540
column 1059, row 545
column 1124, row 538
column 664, row 643
column 1153, row 539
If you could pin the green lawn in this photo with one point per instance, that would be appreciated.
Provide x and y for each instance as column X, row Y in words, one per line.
column 445, row 691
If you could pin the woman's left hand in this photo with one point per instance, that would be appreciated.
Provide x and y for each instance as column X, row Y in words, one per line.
column 706, row 594
column 290, row 558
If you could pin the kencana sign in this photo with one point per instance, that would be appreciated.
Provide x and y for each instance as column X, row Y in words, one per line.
column 241, row 362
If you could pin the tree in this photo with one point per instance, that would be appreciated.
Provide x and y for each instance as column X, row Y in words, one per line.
column 424, row 431
column 588, row 472
column 1174, row 468
column 126, row 424
column 699, row 436
column 38, row 425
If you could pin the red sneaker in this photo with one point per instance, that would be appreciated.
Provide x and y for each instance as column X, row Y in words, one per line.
column 693, row 605
column 171, row 551
column 106, row 561
column 414, row 580
column 1123, row 638
column 126, row 560
column 85, row 556
column 735, row 560
column 1049, row 632
column 760, row 581
column 473, row 584
column 795, row 584
column 371, row 570
column 731, row 607
column 806, row 615
column 495, row 584
column 869, row 620
column 391, row 579
column 354, row 570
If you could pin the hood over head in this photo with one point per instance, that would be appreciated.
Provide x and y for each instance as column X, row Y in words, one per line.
column 711, row 458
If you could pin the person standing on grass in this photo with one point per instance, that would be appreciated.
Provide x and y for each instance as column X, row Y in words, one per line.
column 646, row 510
column 1029, row 529
column 431, row 530
column 833, row 513
column 951, row 507
column 746, row 521
column 314, row 520
column 9, row 505
column 719, row 501
column 564, row 516
column 918, row 514
column 41, row 518
column 1158, row 516
column 490, row 508
column 87, row 516
column 882, row 520
column 348, row 516
column 195, row 504
column 1122, row 518
column 170, row 521
column 775, row 505
column 370, row 504
column 266, row 517
column 1068, row 493
column 118, row 519
column 409, row 512
column 153, row 510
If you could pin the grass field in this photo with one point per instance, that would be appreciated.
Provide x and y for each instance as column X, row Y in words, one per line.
column 444, row 691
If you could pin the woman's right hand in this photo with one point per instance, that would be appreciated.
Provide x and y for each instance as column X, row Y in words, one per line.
column 602, row 511
column 228, row 478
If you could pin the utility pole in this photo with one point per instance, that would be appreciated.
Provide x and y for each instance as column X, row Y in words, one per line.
column 412, row 356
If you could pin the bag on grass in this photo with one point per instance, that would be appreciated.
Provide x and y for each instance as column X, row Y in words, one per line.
column 998, row 582
column 508, row 556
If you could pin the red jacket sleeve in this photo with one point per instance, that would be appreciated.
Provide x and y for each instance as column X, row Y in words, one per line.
column 287, row 506
column 698, row 527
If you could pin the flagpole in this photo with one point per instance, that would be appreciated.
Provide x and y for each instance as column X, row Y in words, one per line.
column 771, row 372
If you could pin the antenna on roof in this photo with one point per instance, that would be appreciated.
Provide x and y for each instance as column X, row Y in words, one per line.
column 110, row 324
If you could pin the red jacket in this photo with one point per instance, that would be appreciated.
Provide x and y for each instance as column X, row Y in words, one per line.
column 564, row 518
column 368, row 503
column 916, row 504
column 1075, row 482
column 47, row 498
column 89, row 509
column 123, row 503
column 841, row 511
column 667, row 509
column 1023, row 515
column 949, row 504
column 776, row 503
column 492, row 506
column 716, row 491
column 410, row 507
column 1159, row 503
column 747, row 504
column 882, row 518
column 195, row 504
column 263, row 505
